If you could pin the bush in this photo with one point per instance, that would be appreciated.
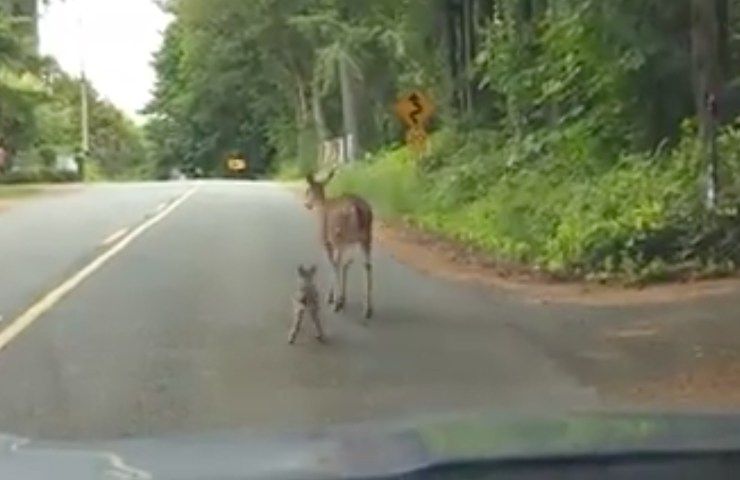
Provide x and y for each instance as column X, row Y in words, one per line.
column 287, row 171
column 636, row 216
column 38, row 176
column 390, row 181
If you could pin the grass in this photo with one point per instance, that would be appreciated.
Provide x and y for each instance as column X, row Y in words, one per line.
column 13, row 192
column 634, row 217
column 289, row 171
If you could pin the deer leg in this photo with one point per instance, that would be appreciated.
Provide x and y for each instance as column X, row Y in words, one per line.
column 368, row 281
column 341, row 299
column 317, row 324
column 330, row 255
column 345, row 271
column 296, row 325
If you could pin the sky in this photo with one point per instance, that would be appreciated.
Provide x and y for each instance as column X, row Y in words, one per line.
column 116, row 41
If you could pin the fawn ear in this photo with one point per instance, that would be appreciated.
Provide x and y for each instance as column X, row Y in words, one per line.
column 301, row 271
column 312, row 270
column 310, row 178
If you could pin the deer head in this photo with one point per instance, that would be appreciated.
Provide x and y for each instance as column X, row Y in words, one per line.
column 316, row 191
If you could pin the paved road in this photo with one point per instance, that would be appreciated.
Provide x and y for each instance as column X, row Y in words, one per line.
column 185, row 330
column 44, row 240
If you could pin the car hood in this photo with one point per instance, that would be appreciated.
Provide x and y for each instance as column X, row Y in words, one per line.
column 368, row 450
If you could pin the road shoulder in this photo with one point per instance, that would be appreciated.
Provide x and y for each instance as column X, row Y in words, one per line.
column 674, row 346
column 12, row 195
column 441, row 258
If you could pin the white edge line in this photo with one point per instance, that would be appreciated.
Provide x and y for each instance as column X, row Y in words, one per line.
column 125, row 471
column 114, row 236
column 52, row 298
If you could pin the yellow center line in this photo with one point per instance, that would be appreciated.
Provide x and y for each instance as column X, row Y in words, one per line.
column 53, row 297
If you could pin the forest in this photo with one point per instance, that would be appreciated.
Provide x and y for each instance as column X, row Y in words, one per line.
column 581, row 138
column 40, row 118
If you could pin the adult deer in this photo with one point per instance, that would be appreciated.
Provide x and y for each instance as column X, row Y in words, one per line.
column 344, row 222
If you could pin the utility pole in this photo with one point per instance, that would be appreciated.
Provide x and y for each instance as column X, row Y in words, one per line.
column 84, row 105
column 84, row 115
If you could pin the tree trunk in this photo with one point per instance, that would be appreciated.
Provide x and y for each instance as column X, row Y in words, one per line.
column 319, row 118
column 302, row 107
column 303, row 122
column 446, row 26
column 487, row 10
column 458, row 46
column 349, row 109
column 707, row 84
column 723, row 36
column 511, row 17
column 466, row 31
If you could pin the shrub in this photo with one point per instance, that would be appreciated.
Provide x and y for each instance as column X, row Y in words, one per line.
column 634, row 216
column 38, row 176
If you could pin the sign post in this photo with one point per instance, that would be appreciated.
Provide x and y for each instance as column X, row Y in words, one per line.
column 415, row 110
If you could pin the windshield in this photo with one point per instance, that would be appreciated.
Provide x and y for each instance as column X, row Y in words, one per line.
column 280, row 215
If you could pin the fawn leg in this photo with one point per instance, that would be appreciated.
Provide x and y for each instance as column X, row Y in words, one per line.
column 296, row 325
column 366, row 249
column 317, row 324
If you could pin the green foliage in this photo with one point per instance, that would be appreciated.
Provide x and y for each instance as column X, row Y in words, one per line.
column 40, row 117
column 38, row 176
column 17, row 191
column 640, row 218
column 558, row 138
column 277, row 61
column 391, row 182
column 19, row 88
column 221, row 87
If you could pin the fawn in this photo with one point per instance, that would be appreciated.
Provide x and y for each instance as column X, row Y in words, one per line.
column 306, row 300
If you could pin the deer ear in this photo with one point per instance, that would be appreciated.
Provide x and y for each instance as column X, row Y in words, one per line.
column 310, row 178
column 330, row 176
column 301, row 271
column 312, row 270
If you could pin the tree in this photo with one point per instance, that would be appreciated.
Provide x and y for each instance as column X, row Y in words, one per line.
column 19, row 88
column 705, row 36
column 298, row 72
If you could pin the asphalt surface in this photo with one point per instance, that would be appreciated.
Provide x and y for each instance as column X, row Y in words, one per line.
column 185, row 331
column 44, row 240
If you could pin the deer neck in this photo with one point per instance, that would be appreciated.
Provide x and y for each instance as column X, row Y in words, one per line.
column 322, row 215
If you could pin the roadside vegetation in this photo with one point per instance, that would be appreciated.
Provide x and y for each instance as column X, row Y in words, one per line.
column 40, row 111
column 18, row 191
column 639, row 219
column 571, row 136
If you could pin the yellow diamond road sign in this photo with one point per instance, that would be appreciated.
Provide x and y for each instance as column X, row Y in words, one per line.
column 237, row 164
column 414, row 109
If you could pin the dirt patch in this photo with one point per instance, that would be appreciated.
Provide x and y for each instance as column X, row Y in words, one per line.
column 11, row 195
column 711, row 384
column 438, row 257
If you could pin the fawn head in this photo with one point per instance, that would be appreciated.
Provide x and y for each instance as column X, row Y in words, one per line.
column 306, row 275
